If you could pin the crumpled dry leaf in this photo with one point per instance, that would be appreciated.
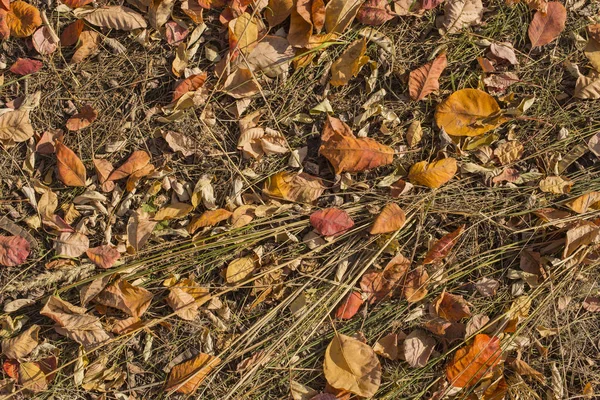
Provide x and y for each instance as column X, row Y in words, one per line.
column 350, row 62
column 23, row 19
column 186, row 377
column 116, row 17
column 122, row 295
column 185, row 296
column 473, row 361
column 15, row 126
column 347, row 153
column 139, row 230
column 433, row 175
column 240, row 84
column 451, row 307
column 547, row 26
column 425, row 80
column 272, row 55
column 459, row 14
column 388, row 347
column 159, row 12
column 377, row 285
column 556, row 185
column 487, row 287
column 21, row 345
column 14, row 250
column 352, row 365
column 299, row 187
column 391, row 218
column 509, row 152
column 71, row 244
column 74, row 323
column 415, row 285
column 468, row 112
column 588, row 87
column 418, row 347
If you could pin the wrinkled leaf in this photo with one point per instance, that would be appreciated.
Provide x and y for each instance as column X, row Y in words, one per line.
column 545, row 27
column 473, row 361
column 468, row 112
column 425, row 80
column 14, row 250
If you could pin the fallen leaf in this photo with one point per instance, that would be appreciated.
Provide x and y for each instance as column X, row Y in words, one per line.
column 173, row 211
column 21, row 345
column 433, row 175
column 585, row 202
column 139, row 230
column 468, row 112
column 414, row 134
column 451, row 307
column 301, row 26
column 239, row 269
column 504, row 51
column 509, row 152
column 122, row 295
column 374, row 12
column 89, row 42
column 74, row 323
column 194, row 10
column 583, row 234
column 11, row 368
column 103, row 256
column 302, row 392
column 524, row 369
column 378, row 285
column 23, row 19
column 387, row 346
column 547, row 26
column 425, row 80
column 350, row 306
column 442, row 247
column 556, row 185
column 43, row 41
column 277, row 11
column 71, row 244
column 70, row 169
column 136, row 162
column 500, row 82
column 418, row 347
column 591, row 304
column 299, row 187
column 331, row 221
column 159, row 12
column 186, row 377
column 475, row 324
column 415, row 285
column 241, row 84
column 208, row 218
column 594, row 144
column 350, row 62
column 588, row 87
column 15, row 126
column 459, row 14
column 473, row 361
column 31, row 377
column 185, row 296
column 243, row 34
column 82, row 119
column 26, row 66
column 116, row 17
column 272, row 55
column 347, row 153
column 189, row 84
column 14, row 250
column 339, row 14
column 390, row 219
column 487, row 287
column 70, row 34
column 352, row 365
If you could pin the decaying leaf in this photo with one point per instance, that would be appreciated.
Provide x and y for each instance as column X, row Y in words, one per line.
column 89, row 42
column 350, row 62
column 585, row 203
column 186, row 377
column 473, row 361
column 103, row 256
column 339, row 14
column 26, row 66
column 122, row 295
column 374, row 12
column 547, row 26
column 425, row 80
column 418, row 346
column 451, row 307
column 20, row 346
column 116, row 17
column 556, row 185
column 468, row 112
column 70, row 169
column 377, row 285
column 82, row 119
column 390, row 219
column 583, row 234
column 459, row 14
column 331, row 221
column 185, row 296
column 209, row 218
column 139, row 230
column 347, row 153
column 415, row 285
column 71, row 244
column 387, row 346
column 433, row 175
column 442, row 247
column 352, row 365
column 300, row 187
column 14, row 250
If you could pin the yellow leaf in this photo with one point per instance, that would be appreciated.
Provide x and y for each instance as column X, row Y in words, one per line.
column 23, row 19
column 292, row 186
column 243, row 34
column 186, row 377
column 173, row 211
column 468, row 112
column 349, row 64
column 509, row 152
column 352, row 365
column 32, row 377
column 208, row 218
column 556, row 185
column 239, row 269
column 433, row 175
column 585, row 202
column 390, row 219
column 339, row 14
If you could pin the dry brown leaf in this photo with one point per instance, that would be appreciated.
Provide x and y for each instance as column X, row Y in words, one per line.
column 74, row 323
column 15, row 127
column 122, row 295
column 583, row 234
column 21, row 345
column 350, row 62
column 433, row 175
column 159, row 12
column 14, row 250
column 82, row 119
column 374, row 12
column 299, row 187
column 185, row 296
column 352, row 365
column 585, row 202
column 173, row 211
column 387, row 346
column 390, row 219
column 472, row 362
column 524, row 369
column 116, row 17
column 241, row 84
column 331, row 221
column 487, row 287
column 243, row 34
column 103, row 256
column 588, row 87
column 425, row 80
column 459, row 14
column 43, row 41
column 89, row 42
column 415, row 285
column 23, row 19
column 547, row 26
column 347, row 153
column 468, row 112
column 139, row 230
column 378, row 285
column 451, row 307
column 208, row 218
column 240, row 269
column 136, row 162
column 556, row 185
column 418, row 347
column 272, row 55
column 71, row 244
column 509, row 152
column 278, row 10
column 70, row 34
column 591, row 304
column 186, row 377
column 339, row 14
column 31, row 377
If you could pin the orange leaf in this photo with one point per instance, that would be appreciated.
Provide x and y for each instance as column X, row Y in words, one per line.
column 415, row 284
column 277, row 11
column 82, row 119
column 193, row 9
column 11, row 368
column 442, row 247
column 451, row 307
column 433, row 175
column 349, row 64
column 378, row 285
column 317, row 12
column 70, row 34
column 4, row 29
column 26, row 66
column 349, row 306
column 390, row 219
column 331, row 221
column 425, row 80
column 291, row 186
column 186, row 377
column 122, row 295
column 474, row 361
column 545, row 27
column 137, row 161
column 71, row 171
column 208, row 218
column 14, row 250
column 189, row 84
column 88, row 44
column 103, row 256
column 23, row 19
column 585, row 202
column 374, row 12
column 348, row 153
column 243, row 34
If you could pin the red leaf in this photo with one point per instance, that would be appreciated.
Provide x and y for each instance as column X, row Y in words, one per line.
column 473, row 361
column 443, row 246
column 103, row 256
column 26, row 66
column 349, row 306
column 374, row 12
column 14, row 250
column 189, row 84
column 76, row 3
column 331, row 221
column 174, row 32
column 70, row 35
column 11, row 367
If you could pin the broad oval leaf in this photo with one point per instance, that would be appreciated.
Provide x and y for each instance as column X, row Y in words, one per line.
column 468, row 112
column 82, row 119
column 588, row 87
column 425, row 80
column 545, row 27
column 474, row 361
column 32, row 377
column 433, row 175
column 186, row 377
column 173, row 211
column 415, row 285
column 43, row 41
column 89, row 41
column 20, row 346
column 352, row 365
column 339, row 14
column 451, row 307
column 374, row 12
column 70, row 34
column 70, row 169
column 239, row 269
column 26, row 66
column 71, row 244
column 136, row 162
column 122, row 295
column 116, row 17
column 350, row 306
column 208, row 218
column 277, row 11
column 292, row 186
column 243, row 34
column 350, row 62
column 459, row 14
column 14, row 250
column 23, row 19
column 390, row 219
column 15, row 126
column 418, row 347
column 442, row 247
column 103, row 256
column 189, row 84
column 331, row 221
